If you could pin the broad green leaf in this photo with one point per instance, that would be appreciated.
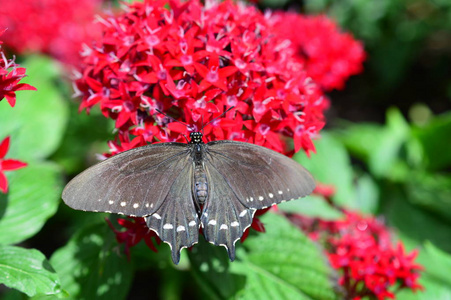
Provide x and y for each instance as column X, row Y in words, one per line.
column 90, row 267
column 283, row 264
column 33, row 197
column 361, row 139
column 430, row 191
column 312, row 206
column 28, row 271
column 37, row 122
column 414, row 223
column 434, row 139
column 384, row 159
column 367, row 194
column 211, row 267
column 331, row 165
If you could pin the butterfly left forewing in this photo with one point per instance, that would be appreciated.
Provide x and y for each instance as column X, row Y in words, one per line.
column 258, row 176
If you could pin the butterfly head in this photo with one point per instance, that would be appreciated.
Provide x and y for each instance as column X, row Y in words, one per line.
column 196, row 138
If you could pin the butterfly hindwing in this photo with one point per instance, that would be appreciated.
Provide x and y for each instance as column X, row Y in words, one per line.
column 259, row 176
column 133, row 183
column 176, row 221
column 224, row 218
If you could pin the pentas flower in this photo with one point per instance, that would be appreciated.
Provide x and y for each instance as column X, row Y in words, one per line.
column 192, row 61
column 360, row 247
column 7, row 164
column 329, row 55
column 10, row 76
column 54, row 27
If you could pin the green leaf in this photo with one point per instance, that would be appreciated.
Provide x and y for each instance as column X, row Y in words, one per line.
column 367, row 191
column 415, row 224
column 91, row 268
column 28, row 271
column 331, row 165
column 211, row 267
column 37, row 122
column 33, row 197
column 434, row 139
column 384, row 159
column 283, row 264
column 361, row 139
column 312, row 206
column 430, row 191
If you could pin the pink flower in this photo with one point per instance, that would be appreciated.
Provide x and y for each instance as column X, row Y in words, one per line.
column 7, row 164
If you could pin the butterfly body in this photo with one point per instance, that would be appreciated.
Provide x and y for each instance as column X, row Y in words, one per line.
column 180, row 188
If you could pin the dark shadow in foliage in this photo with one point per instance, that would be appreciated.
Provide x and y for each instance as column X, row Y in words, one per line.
column 210, row 265
column 3, row 204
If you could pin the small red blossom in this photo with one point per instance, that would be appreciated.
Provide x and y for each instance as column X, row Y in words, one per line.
column 360, row 248
column 7, row 164
column 10, row 76
column 328, row 55
column 54, row 27
column 136, row 230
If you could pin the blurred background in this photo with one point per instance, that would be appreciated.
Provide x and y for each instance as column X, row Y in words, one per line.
column 385, row 147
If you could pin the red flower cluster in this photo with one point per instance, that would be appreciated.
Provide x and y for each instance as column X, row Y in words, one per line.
column 361, row 248
column 192, row 61
column 10, row 75
column 7, row 164
column 329, row 55
column 55, row 27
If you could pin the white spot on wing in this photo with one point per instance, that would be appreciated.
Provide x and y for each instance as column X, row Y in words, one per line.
column 99, row 200
column 180, row 228
column 235, row 224
column 192, row 223
column 280, row 192
column 260, row 198
column 123, row 203
column 252, row 199
column 212, row 222
column 223, row 226
column 271, row 195
column 156, row 216
column 168, row 226
column 135, row 205
column 147, row 204
column 243, row 213
column 110, row 202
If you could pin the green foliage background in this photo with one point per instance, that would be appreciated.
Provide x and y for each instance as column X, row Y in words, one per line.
column 386, row 149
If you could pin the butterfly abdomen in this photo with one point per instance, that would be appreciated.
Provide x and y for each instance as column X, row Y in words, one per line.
column 200, row 184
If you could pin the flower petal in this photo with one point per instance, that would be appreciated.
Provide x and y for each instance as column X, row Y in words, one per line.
column 3, row 183
column 11, row 164
column 4, row 146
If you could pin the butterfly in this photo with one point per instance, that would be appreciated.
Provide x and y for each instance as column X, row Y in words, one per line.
column 179, row 188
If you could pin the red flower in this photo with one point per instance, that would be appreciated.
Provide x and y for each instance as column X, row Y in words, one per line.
column 328, row 55
column 10, row 75
column 360, row 247
column 7, row 164
column 55, row 27
column 136, row 230
column 192, row 61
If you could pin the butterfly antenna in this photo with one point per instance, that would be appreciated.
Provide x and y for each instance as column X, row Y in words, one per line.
column 168, row 116
column 230, row 108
